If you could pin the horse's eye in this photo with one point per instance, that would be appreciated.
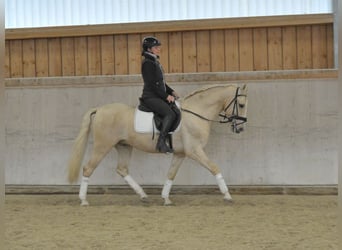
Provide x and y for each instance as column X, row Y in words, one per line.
column 241, row 105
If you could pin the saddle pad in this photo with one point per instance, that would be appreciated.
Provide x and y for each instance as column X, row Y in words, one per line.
column 144, row 122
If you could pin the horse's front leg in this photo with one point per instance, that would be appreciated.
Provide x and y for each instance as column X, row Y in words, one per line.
column 175, row 164
column 199, row 155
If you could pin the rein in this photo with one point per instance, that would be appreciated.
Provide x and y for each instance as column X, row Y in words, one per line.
column 202, row 117
column 226, row 119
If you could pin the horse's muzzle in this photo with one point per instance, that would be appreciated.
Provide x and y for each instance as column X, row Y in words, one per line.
column 237, row 127
column 237, row 130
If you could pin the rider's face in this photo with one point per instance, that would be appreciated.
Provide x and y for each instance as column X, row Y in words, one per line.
column 156, row 50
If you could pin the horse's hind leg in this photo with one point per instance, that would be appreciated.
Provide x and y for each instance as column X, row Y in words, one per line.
column 175, row 164
column 124, row 155
column 98, row 153
column 199, row 155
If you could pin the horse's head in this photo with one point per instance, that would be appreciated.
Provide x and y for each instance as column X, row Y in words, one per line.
column 235, row 110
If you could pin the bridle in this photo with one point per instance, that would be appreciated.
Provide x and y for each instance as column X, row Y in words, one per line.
column 235, row 119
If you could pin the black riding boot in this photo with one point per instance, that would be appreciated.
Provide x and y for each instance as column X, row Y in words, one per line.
column 162, row 147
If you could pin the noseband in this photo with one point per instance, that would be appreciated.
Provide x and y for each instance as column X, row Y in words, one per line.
column 235, row 119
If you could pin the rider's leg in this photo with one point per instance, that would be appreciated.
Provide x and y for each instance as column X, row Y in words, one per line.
column 166, row 126
column 163, row 109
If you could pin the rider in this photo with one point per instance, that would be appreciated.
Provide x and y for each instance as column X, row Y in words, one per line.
column 156, row 94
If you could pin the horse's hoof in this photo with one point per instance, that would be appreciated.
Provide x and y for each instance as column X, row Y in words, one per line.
column 84, row 203
column 168, row 202
column 144, row 199
column 228, row 201
column 228, row 198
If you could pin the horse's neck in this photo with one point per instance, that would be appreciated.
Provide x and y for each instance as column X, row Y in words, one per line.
column 208, row 103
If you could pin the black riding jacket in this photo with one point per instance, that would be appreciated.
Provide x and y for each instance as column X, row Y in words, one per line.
column 153, row 75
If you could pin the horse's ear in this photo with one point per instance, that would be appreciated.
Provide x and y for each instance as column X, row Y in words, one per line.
column 244, row 87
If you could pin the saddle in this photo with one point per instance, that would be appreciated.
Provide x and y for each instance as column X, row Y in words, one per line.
column 145, row 121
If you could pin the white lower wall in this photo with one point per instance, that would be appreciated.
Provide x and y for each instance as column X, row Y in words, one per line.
column 291, row 136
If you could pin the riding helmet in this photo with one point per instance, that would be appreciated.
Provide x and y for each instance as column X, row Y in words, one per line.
column 149, row 42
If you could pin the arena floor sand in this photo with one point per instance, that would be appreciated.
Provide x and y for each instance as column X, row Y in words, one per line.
column 122, row 222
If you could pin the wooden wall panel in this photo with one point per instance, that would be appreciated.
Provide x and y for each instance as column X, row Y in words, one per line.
column 217, row 51
column 16, row 52
column 274, row 47
column 107, row 55
column 232, row 50
column 319, row 47
column 246, row 49
column 55, row 57
column 120, row 54
column 330, row 47
column 260, row 53
column 68, row 56
column 81, row 56
column 94, row 55
column 289, row 38
column 42, row 57
column 7, row 70
column 29, row 59
column 217, row 48
column 203, row 51
column 304, row 53
column 175, row 52
column 189, row 52
column 134, row 53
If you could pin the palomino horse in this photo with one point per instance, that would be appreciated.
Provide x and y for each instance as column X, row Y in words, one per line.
column 112, row 125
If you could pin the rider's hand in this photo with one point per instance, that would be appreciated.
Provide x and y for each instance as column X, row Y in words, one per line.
column 170, row 98
column 174, row 93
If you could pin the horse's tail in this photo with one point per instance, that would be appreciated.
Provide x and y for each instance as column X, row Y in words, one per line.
column 79, row 147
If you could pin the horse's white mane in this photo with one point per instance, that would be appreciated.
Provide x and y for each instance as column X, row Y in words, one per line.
column 205, row 88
